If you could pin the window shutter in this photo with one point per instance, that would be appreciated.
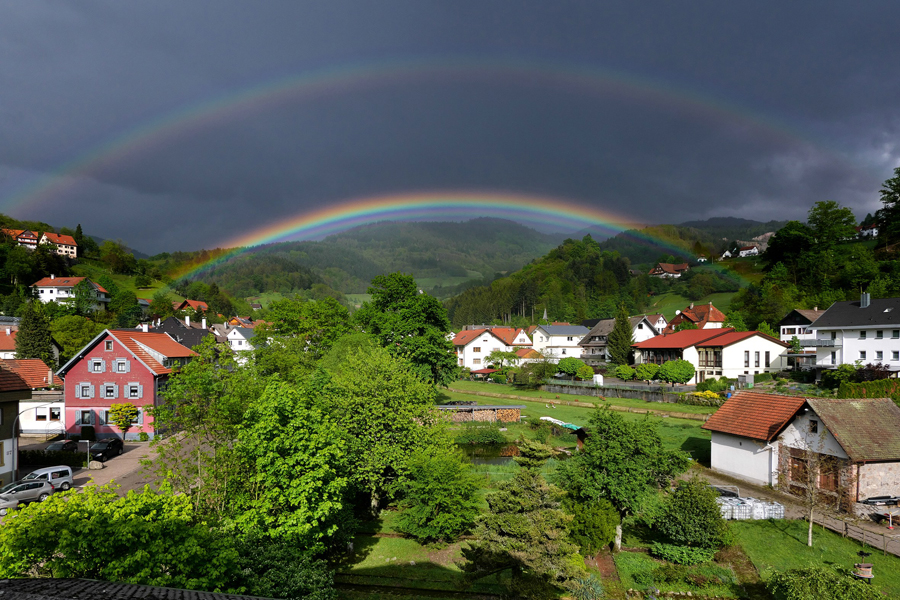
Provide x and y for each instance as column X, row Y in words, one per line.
column 140, row 419
column 102, row 366
column 127, row 366
column 116, row 390
column 140, row 391
column 91, row 391
column 78, row 390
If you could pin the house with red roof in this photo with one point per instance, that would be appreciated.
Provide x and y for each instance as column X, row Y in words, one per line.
column 852, row 443
column 748, row 251
column 42, row 413
column 8, row 344
column 474, row 345
column 716, row 352
column 704, row 316
column 119, row 366
column 23, row 237
column 668, row 270
column 62, row 289
column 64, row 245
column 191, row 305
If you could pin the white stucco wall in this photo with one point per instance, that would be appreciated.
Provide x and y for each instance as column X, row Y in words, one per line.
column 642, row 331
column 733, row 357
column 849, row 344
column 798, row 435
column 745, row 458
column 30, row 411
column 486, row 344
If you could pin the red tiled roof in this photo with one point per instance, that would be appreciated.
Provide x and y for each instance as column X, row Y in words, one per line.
column 736, row 336
column 681, row 339
column 672, row 268
column 160, row 342
column 58, row 238
column 528, row 353
column 65, row 282
column 754, row 415
column 507, row 334
column 196, row 305
column 7, row 342
column 464, row 337
column 700, row 314
column 747, row 247
column 483, row 371
column 32, row 371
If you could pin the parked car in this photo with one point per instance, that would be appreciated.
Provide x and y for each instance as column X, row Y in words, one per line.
column 7, row 503
column 28, row 491
column 60, row 476
column 105, row 449
column 64, row 446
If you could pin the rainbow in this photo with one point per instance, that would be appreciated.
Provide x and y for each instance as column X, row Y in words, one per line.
column 564, row 214
column 356, row 77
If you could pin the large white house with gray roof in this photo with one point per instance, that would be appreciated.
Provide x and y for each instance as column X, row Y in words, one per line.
column 558, row 341
column 863, row 330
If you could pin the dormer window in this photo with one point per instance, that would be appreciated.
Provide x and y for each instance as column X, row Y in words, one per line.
column 108, row 345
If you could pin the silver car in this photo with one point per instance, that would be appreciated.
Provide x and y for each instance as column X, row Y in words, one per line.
column 7, row 503
column 28, row 491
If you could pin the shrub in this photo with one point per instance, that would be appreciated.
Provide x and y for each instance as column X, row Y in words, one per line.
column 715, row 385
column 570, row 365
column 497, row 377
column 760, row 377
column 465, row 372
column 480, row 433
column 676, row 371
column 625, row 373
column 691, row 516
column 821, row 583
column 646, row 371
column 682, row 555
column 275, row 568
column 885, row 388
column 43, row 458
column 706, row 398
column 593, row 524
column 585, row 373
column 144, row 436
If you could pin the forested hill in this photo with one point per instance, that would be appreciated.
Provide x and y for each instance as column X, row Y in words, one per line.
column 685, row 241
column 436, row 253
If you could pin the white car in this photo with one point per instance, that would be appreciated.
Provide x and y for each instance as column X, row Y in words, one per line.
column 7, row 503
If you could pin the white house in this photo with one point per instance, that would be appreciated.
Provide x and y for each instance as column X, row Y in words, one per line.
column 64, row 245
column 748, row 251
column 701, row 258
column 866, row 330
column 595, row 343
column 474, row 345
column 797, row 324
column 658, row 321
column 770, row 439
column 726, row 254
column 239, row 340
column 62, row 289
column 716, row 352
column 559, row 341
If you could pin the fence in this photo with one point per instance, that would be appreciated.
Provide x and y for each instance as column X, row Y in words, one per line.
column 888, row 544
column 587, row 388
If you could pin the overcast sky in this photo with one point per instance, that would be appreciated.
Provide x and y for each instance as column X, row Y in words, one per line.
column 160, row 122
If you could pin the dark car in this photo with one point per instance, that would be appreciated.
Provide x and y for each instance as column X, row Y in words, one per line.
column 66, row 446
column 106, row 449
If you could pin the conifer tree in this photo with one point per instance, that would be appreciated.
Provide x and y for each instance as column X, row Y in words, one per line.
column 33, row 339
column 620, row 339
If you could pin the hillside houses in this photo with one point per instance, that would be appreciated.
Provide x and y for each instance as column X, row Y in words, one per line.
column 704, row 316
column 594, row 343
column 474, row 345
column 668, row 270
column 559, row 341
column 62, row 289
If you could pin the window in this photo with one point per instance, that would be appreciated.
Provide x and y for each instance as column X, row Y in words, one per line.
column 55, row 413
column 834, row 335
column 85, row 417
column 879, row 335
column 834, row 358
column 108, row 345
column 828, row 479
column 813, row 426
column 569, row 339
column 862, row 355
column 862, row 334
column 476, row 349
column 746, row 358
column 756, row 358
column 40, row 414
column 97, row 365
column 110, row 390
column 767, row 358
column 564, row 351
column 122, row 365
column 879, row 355
column 476, row 361
column 2, row 455
column 895, row 334
column 103, row 417
column 640, row 325
column 895, row 355
column 134, row 390
column 790, row 330
column 85, row 391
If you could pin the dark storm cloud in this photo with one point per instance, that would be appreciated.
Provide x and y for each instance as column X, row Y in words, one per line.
column 789, row 105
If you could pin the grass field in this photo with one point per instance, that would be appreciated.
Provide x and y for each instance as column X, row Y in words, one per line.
column 125, row 282
column 667, row 304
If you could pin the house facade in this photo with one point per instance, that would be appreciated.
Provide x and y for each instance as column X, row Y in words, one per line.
column 559, row 341
column 474, row 345
column 42, row 413
column 240, row 340
column 668, row 270
column 594, row 344
column 866, row 330
column 13, row 390
column 704, row 316
column 23, row 237
column 64, row 245
column 748, row 251
column 62, row 289
column 116, row 367
column 849, row 448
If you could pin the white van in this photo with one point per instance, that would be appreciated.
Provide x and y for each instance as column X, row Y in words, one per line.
column 60, row 477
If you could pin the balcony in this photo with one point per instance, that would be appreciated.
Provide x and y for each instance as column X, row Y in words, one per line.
column 819, row 344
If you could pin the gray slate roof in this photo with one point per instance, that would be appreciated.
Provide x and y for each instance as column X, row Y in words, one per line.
column 574, row 330
column 88, row 589
column 849, row 314
column 866, row 428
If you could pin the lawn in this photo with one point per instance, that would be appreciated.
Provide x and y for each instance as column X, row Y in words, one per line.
column 638, row 571
column 667, row 304
column 780, row 545
column 125, row 282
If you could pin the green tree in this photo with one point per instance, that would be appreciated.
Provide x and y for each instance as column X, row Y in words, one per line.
column 766, row 329
column 123, row 415
column 593, row 525
column 685, row 325
column 692, row 517
column 116, row 257
column 73, row 333
column 277, row 568
column 831, row 223
column 788, row 245
column 533, row 454
column 525, row 530
column 161, row 304
column 620, row 339
column 622, row 461
column 585, row 373
column 889, row 216
column 820, row 583
column 735, row 320
column 411, row 325
column 33, row 339
column 570, row 365
column 625, row 373
column 646, row 371
column 83, row 300
column 502, row 357
column 319, row 324
column 440, row 497
column 387, row 412
column 676, row 371
column 295, row 481
column 91, row 534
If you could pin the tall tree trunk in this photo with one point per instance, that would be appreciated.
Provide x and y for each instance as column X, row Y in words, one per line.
column 375, row 502
column 618, row 543
column 809, row 535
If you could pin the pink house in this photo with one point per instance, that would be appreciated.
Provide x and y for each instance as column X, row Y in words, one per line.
column 117, row 367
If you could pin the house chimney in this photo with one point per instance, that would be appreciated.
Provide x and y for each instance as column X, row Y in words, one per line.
column 49, row 377
column 864, row 300
column 52, row 276
column 203, row 323
column 187, row 320
column 692, row 305
column 145, row 327
column 9, row 331
column 815, row 308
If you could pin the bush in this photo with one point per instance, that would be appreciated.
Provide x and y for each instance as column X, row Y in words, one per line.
column 715, row 385
column 821, row 583
column 465, row 373
column 497, row 377
column 274, row 568
column 691, row 516
column 625, row 373
column 706, row 398
column 593, row 524
column 585, row 373
column 87, row 433
column 440, row 498
column 43, row 458
column 647, row 371
column 480, row 433
column 885, row 388
column 682, row 555
column 569, row 366
column 760, row 377
column 144, row 436
column 676, row 371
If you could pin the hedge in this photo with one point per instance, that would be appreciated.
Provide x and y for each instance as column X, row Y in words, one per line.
column 44, row 458
column 883, row 388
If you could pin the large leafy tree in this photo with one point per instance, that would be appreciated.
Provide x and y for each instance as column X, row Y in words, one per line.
column 623, row 461
column 620, row 339
column 889, row 216
column 33, row 338
column 93, row 534
column 387, row 412
column 831, row 223
column 410, row 324
column 692, row 517
column 73, row 332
